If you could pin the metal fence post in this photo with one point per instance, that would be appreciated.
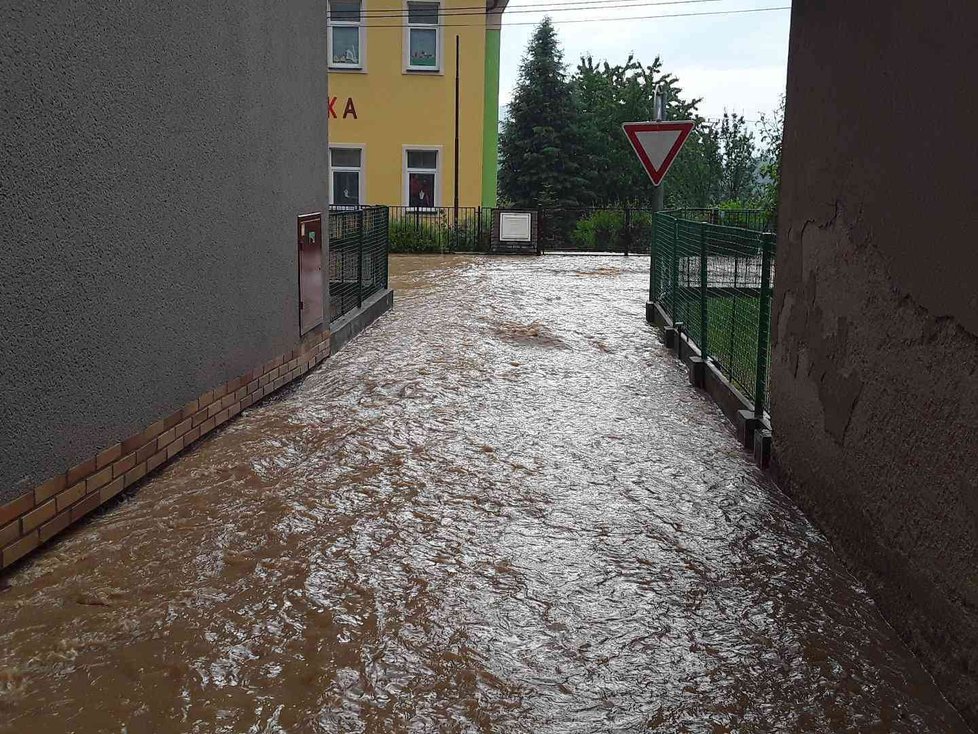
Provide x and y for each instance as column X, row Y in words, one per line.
column 704, row 275
column 733, row 319
column 653, row 280
column 628, row 229
column 763, row 324
column 387, row 244
column 478, row 237
column 675, row 269
column 359, row 258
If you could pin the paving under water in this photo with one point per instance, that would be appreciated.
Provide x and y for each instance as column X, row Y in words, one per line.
column 502, row 508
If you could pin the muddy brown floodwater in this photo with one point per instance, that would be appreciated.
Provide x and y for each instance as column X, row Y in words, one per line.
column 502, row 508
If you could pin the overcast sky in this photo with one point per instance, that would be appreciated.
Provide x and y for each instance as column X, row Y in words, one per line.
column 734, row 62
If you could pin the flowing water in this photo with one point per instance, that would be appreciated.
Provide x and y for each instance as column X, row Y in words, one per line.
column 502, row 508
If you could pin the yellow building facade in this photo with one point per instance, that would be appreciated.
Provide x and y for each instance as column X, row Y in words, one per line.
column 392, row 89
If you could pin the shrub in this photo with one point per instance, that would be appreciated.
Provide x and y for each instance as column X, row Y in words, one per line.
column 424, row 234
column 600, row 230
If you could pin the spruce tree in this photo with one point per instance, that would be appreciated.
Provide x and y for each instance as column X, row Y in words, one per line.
column 540, row 144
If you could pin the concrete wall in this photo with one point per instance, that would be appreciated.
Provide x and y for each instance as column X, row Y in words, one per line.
column 875, row 361
column 153, row 160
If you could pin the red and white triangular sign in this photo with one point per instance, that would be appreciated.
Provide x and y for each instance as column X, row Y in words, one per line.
column 657, row 144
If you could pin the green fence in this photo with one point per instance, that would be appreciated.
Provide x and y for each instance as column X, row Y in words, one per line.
column 358, row 244
column 714, row 281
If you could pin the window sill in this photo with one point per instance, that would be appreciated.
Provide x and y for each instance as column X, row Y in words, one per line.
column 347, row 69
column 423, row 71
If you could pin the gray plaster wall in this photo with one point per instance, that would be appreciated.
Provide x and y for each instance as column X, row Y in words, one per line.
column 153, row 160
column 875, row 316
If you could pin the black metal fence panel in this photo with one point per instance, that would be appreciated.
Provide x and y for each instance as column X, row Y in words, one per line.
column 440, row 229
column 358, row 248
column 595, row 229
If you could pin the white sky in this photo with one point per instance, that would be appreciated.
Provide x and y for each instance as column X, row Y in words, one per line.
column 734, row 62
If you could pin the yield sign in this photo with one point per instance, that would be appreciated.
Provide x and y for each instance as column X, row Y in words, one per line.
column 657, row 144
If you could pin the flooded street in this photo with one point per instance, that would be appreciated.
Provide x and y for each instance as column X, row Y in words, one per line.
column 501, row 508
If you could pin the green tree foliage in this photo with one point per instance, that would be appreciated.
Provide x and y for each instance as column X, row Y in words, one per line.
column 562, row 143
column 718, row 162
column 540, row 144
column 608, row 96
column 738, row 154
column 771, row 134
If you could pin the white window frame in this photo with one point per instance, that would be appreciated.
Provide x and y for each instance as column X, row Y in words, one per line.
column 406, row 175
column 362, row 170
column 359, row 25
column 439, row 36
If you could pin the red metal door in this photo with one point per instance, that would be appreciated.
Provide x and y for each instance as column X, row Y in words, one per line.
column 310, row 271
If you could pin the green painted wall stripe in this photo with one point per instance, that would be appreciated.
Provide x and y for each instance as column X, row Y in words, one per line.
column 490, row 122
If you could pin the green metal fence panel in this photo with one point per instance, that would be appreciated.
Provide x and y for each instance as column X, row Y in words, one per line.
column 358, row 246
column 716, row 281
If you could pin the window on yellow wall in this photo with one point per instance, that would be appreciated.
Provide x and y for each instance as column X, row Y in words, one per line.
column 346, row 175
column 423, row 36
column 345, row 34
column 422, row 182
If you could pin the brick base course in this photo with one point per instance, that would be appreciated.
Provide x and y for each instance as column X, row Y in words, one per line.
column 36, row 517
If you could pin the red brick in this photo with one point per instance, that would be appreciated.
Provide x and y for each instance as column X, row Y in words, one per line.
column 221, row 391
column 204, row 400
column 182, row 427
column 234, row 384
column 192, row 435
column 42, row 514
column 146, row 451
column 189, row 409
column 200, row 416
column 50, row 488
column 108, row 456
column 153, row 431
column 155, row 460
column 85, row 506
column 213, row 409
column 9, row 533
column 174, row 448
column 222, row 416
column 16, row 508
column 240, row 393
column 80, row 471
column 252, row 386
column 111, row 490
column 164, row 438
column 123, row 465
column 67, row 498
column 98, row 480
column 172, row 419
column 227, row 401
column 135, row 474
column 19, row 549
column 263, row 380
column 207, row 426
column 52, row 527
column 132, row 443
column 247, row 402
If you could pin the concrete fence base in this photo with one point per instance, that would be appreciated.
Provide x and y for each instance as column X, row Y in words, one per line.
column 704, row 375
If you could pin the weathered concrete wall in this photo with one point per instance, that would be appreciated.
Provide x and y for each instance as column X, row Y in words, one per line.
column 153, row 160
column 875, row 361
